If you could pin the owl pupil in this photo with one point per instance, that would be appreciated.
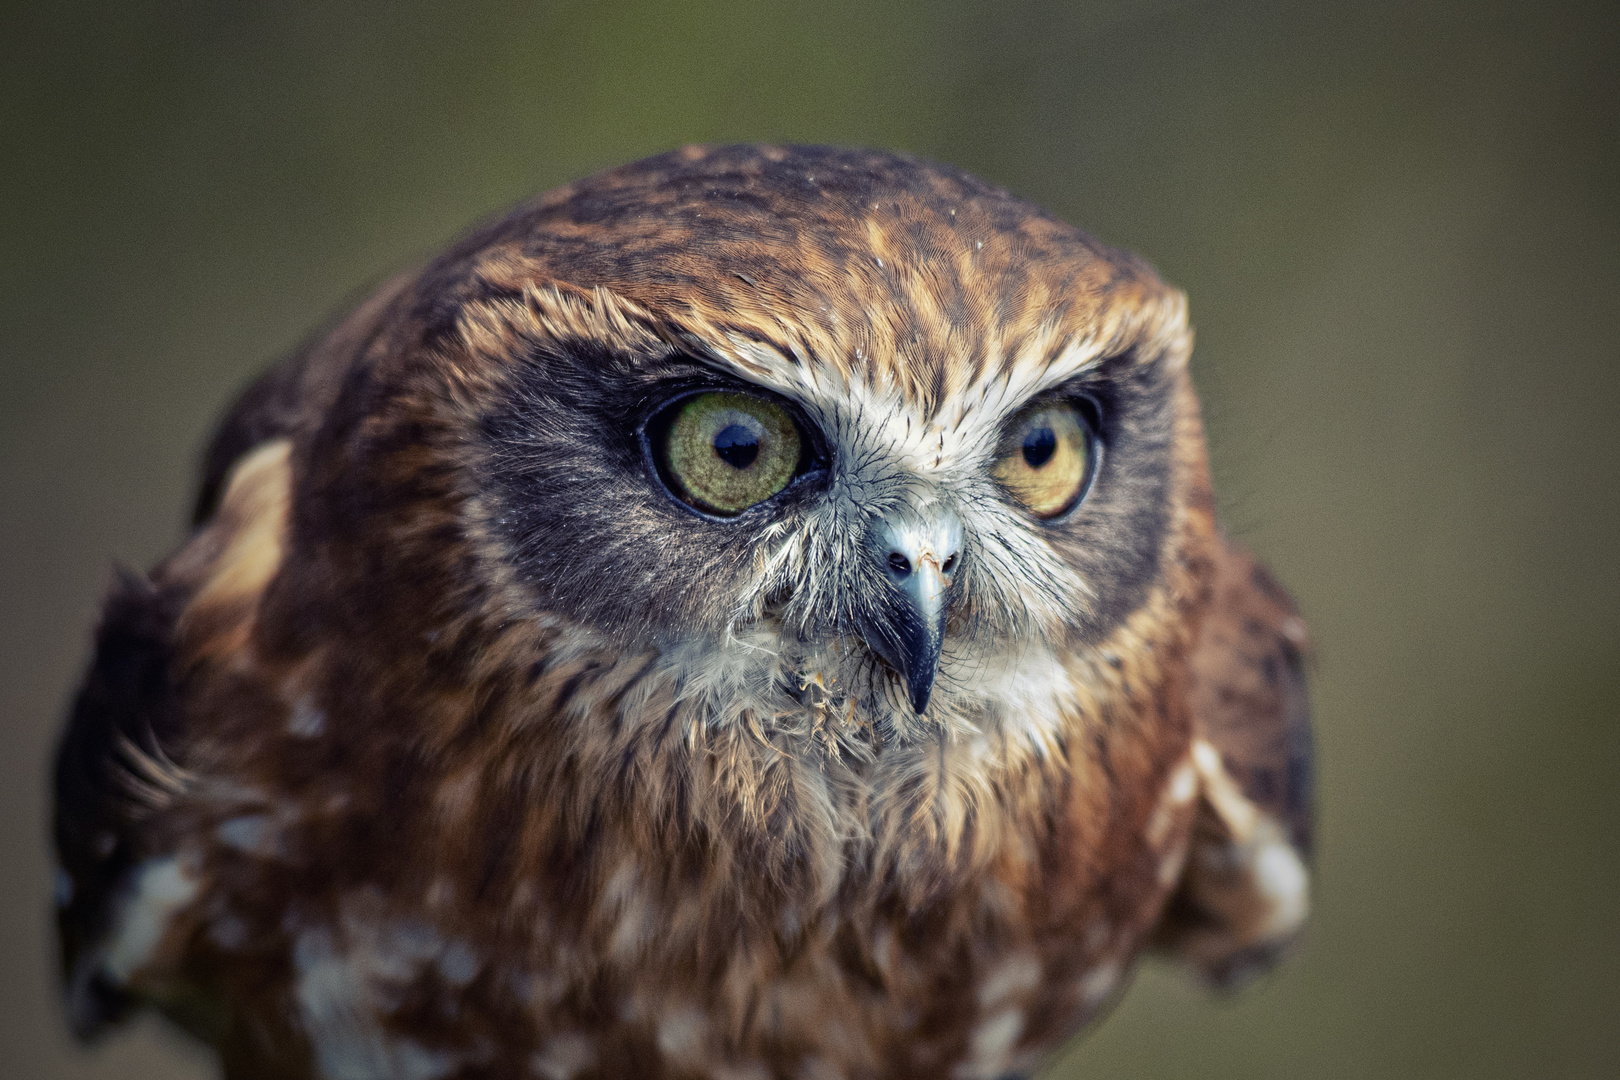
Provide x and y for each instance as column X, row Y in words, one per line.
column 1039, row 446
column 738, row 447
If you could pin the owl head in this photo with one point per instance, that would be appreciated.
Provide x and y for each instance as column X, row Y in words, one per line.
column 810, row 426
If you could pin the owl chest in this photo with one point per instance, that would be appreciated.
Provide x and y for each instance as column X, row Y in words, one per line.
column 598, row 930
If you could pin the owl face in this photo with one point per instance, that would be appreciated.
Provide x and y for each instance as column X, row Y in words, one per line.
column 910, row 488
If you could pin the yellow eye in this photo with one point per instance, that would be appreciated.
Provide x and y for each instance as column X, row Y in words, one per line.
column 1046, row 459
column 722, row 452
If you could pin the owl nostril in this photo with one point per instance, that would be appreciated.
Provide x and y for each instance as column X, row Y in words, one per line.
column 899, row 563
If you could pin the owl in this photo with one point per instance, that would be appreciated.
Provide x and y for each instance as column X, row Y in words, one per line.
column 757, row 612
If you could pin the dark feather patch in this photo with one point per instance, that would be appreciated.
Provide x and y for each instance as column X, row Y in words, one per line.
column 125, row 709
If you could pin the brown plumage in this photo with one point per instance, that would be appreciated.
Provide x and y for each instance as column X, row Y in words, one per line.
column 461, row 739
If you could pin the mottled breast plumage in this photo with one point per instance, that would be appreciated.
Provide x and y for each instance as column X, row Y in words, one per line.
column 755, row 612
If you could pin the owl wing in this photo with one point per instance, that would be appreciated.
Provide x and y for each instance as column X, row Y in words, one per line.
column 113, row 773
column 121, row 761
column 1244, row 894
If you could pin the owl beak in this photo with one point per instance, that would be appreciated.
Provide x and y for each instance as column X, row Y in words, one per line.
column 919, row 559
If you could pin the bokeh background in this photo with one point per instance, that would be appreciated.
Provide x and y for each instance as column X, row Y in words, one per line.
column 1398, row 224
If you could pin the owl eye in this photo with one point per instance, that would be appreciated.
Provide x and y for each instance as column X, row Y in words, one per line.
column 1046, row 459
column 724, row 452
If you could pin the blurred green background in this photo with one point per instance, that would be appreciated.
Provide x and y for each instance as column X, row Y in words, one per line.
column 1398, row 225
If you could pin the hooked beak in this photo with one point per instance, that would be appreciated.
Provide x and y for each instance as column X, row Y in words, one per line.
column 918, row 560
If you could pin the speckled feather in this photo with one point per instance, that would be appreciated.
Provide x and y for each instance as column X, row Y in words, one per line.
column 448, row 745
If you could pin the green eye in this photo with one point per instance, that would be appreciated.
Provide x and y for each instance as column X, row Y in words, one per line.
column 1046, row 459
column 723, row 452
